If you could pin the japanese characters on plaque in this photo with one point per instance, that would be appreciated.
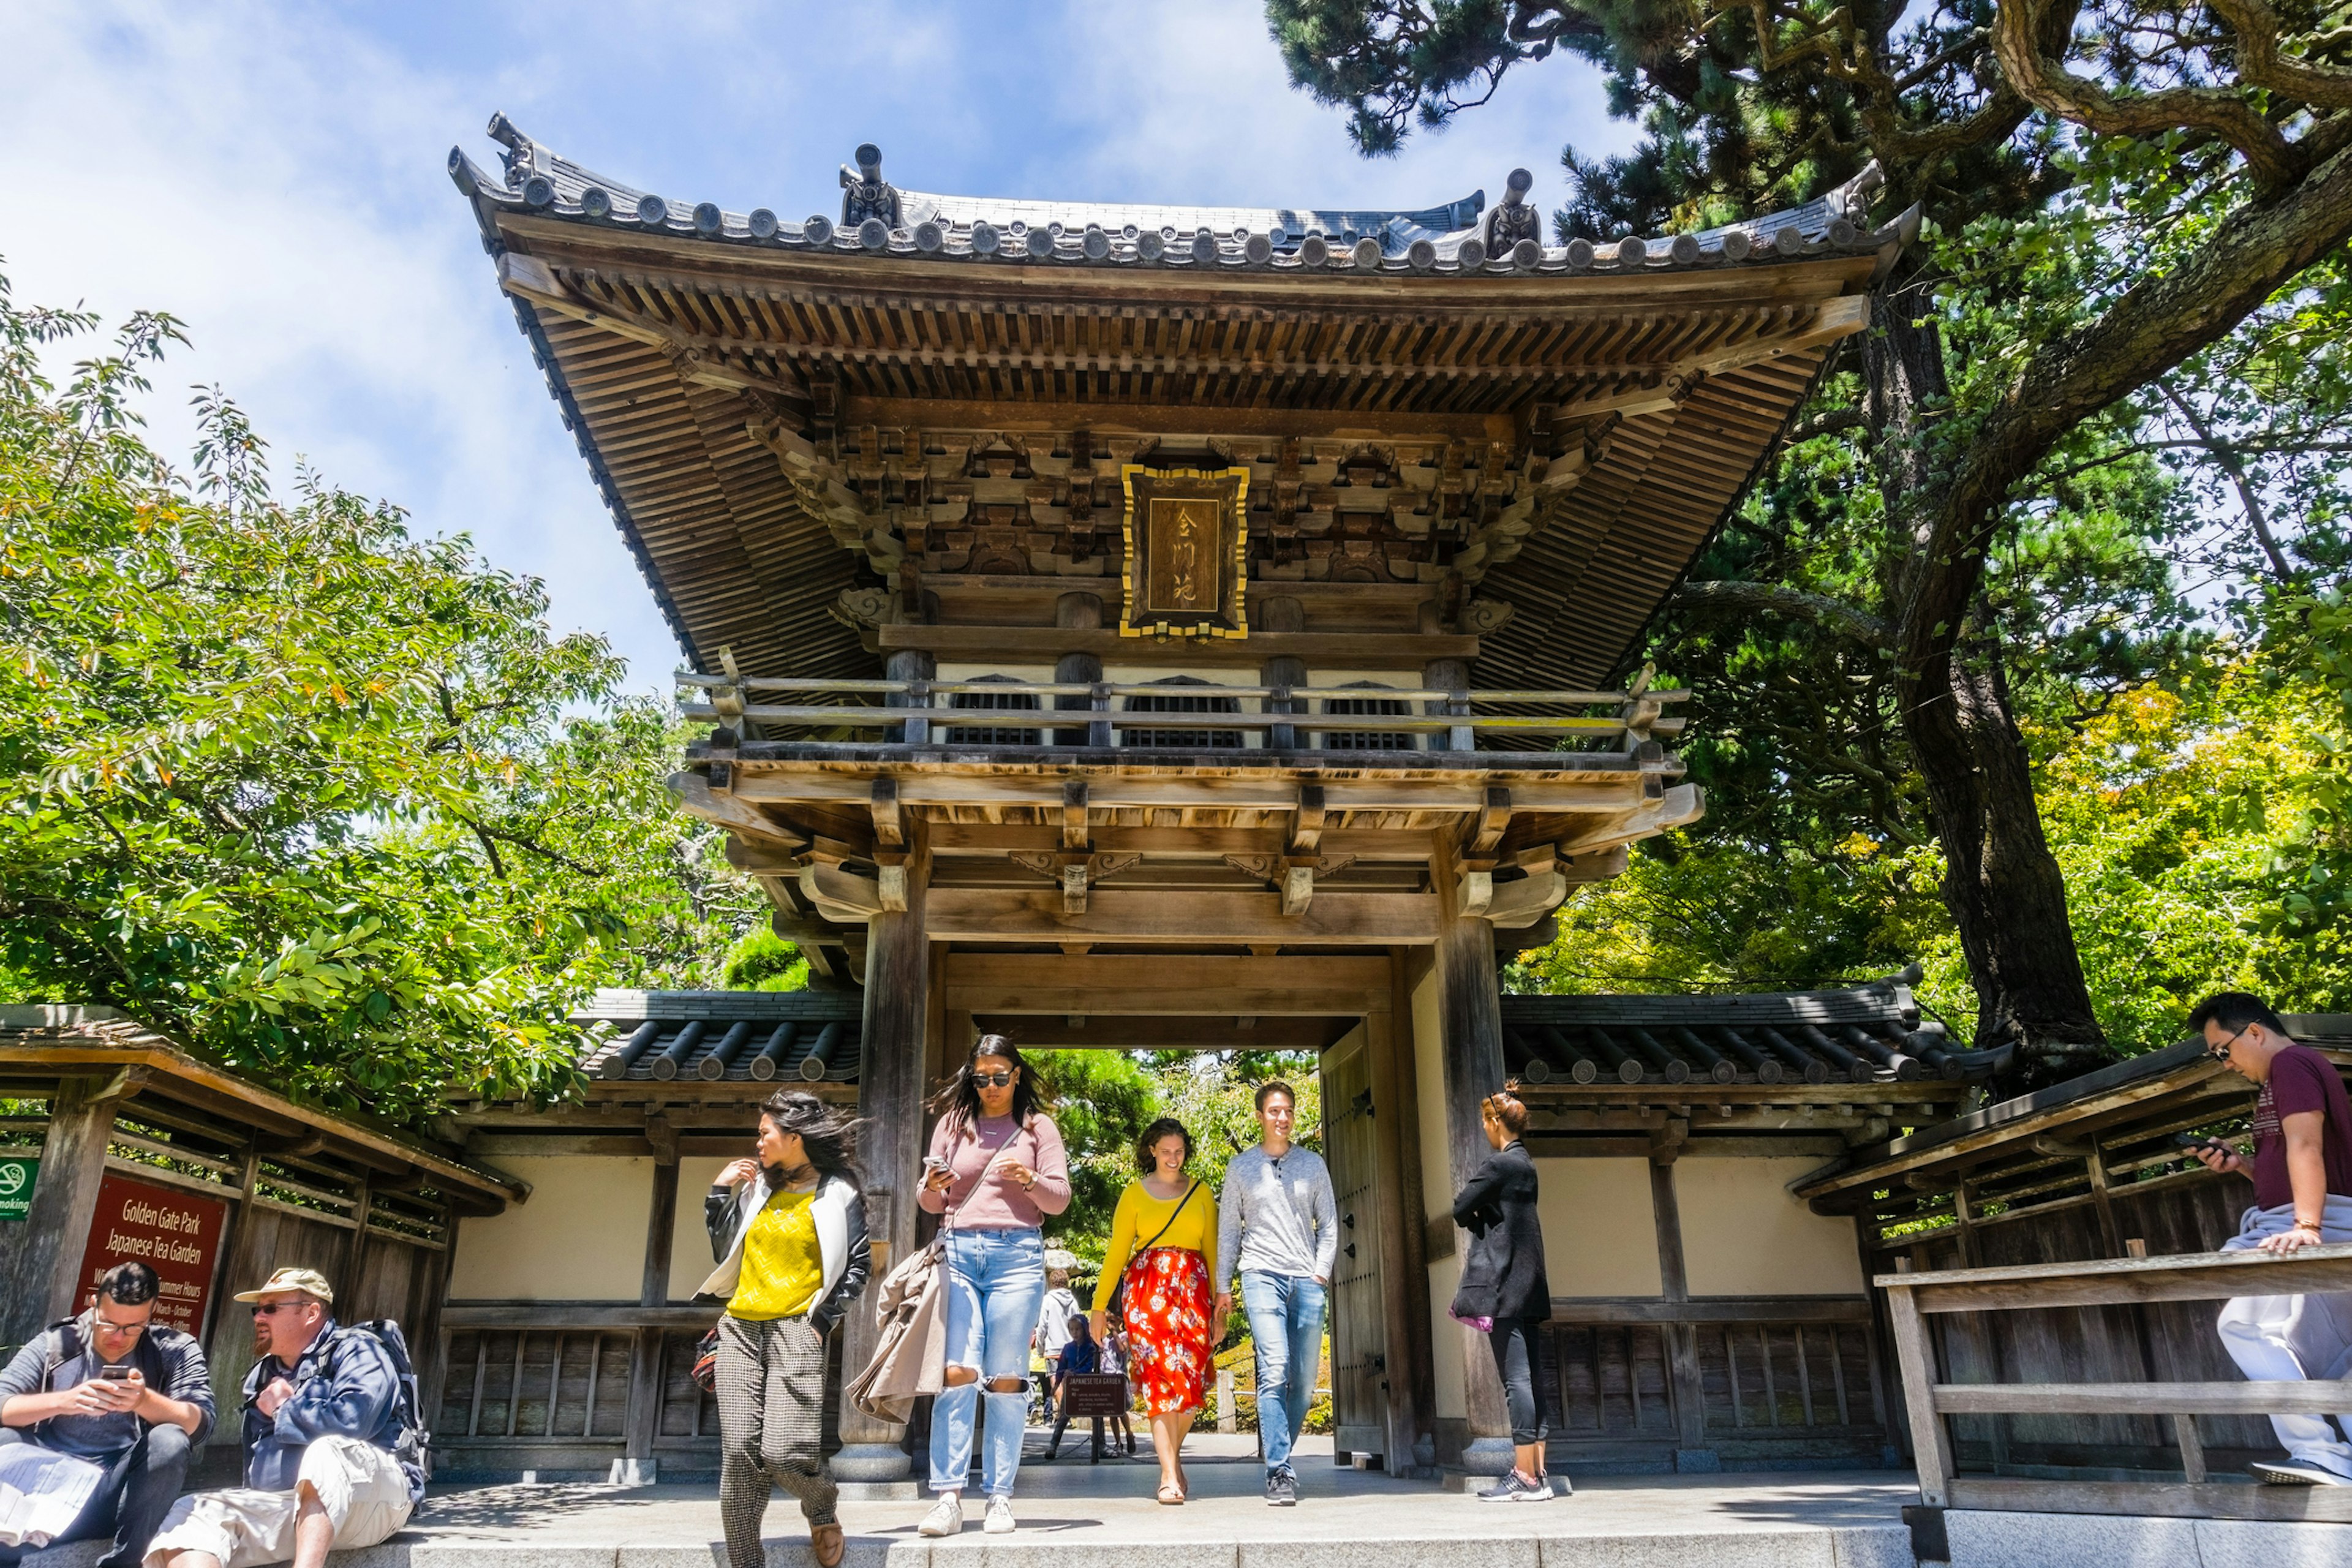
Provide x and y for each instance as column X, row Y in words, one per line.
column 1185, row 532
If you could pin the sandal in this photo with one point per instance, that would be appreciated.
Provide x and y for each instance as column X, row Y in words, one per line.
column 825, row 1540
column 1170, row 1495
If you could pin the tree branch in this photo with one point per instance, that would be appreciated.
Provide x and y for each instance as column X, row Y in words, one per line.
column 2227, row 457
column 1719, row 599
column 1829, row 423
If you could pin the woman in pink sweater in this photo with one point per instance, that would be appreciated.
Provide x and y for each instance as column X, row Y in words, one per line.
column 995, row 1170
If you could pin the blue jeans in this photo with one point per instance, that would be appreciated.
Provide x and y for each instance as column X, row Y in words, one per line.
column 1286, row 1319
column 995, row 1282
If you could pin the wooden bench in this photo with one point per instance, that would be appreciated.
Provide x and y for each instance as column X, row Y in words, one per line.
column 2193, row 1277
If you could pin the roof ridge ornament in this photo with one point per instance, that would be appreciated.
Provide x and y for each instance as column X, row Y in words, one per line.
column 866, row 195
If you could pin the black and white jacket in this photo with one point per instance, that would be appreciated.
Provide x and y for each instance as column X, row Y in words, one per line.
column 839, row 1210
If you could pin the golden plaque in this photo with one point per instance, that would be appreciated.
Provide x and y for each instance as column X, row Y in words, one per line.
column 1187, row 535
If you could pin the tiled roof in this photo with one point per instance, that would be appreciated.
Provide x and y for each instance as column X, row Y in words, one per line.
column 732, row 1035
column 1009, row 230
column 1867, row 1034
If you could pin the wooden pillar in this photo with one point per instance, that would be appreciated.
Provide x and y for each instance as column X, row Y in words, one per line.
column 1403, row 1307
column 898, row 965
column 1079, row 612
column 1408, row 966
column 910, row 664
column 1282, row 613
column 1470, row 1013
column 1449, row 675
column 1682, row 1338
column 637, row 1467
column 65, row 1201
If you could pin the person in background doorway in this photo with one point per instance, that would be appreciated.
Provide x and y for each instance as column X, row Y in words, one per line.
column 1503, row 1285
column 788, row 1227
column 996, row 1169
column 1279, row 1226
column 2302, row 1172
column 1054, row 1328
column 1080, row 1354
column 1160, row 1236
column 130, row 1396
column 333, row 1454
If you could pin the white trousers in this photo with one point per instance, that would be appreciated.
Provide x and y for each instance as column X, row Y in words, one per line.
column 2289, row 1339
column 360, row 1486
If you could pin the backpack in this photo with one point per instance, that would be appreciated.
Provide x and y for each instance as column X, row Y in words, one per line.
column 414, row 1446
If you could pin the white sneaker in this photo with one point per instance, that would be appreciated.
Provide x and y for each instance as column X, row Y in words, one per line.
column 946, row 1518
column 2295, row 1473
column 1000, row 1517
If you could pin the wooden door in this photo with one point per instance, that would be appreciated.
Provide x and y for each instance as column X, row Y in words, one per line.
column 1358, row 1337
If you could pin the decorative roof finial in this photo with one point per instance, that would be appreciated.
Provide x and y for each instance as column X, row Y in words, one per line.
column 1511, row 220
column 865, row 194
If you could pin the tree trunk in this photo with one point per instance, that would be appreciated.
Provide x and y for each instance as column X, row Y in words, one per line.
column 2001, row 882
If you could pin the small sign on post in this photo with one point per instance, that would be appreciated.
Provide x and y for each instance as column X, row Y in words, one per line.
column 17, row 1179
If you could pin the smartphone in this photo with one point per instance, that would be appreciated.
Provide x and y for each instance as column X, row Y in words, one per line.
column 2188, row 1143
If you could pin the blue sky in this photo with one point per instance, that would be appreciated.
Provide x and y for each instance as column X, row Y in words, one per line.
column 273, row 174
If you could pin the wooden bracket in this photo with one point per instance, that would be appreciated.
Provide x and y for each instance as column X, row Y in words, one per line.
column 890, row 885
column 1077, row 872
column 889, row 829
column 1074, row 814
column 1307, row 829
column 1297, row 887
column 1474, row 892
column 695, row 794
column 842, row 895
column 1485, row 834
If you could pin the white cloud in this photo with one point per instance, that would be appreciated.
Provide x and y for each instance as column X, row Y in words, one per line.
column 273, row 174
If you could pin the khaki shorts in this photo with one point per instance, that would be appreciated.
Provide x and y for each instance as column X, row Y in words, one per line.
column 360, row 1486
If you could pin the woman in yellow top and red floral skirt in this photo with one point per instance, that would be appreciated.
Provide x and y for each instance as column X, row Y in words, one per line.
column 789, row 1230
column 1161, row 1238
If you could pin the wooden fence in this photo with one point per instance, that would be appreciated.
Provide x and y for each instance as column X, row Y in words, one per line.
column 1913, row 1299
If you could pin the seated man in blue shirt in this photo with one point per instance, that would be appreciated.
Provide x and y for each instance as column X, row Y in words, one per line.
column 325, row 1464
column 127, row 1395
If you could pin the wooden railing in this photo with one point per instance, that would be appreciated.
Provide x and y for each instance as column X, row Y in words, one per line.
column 2195, row 1276
column 1090, row 712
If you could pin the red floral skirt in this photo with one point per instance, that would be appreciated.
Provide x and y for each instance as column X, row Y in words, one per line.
column 1168, row 1306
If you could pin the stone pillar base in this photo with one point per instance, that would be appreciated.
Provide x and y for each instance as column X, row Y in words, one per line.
column 1488, row 1457
column 871, row 1462
column 634, row 1473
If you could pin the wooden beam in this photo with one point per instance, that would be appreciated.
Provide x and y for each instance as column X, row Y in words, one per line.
column 1044, row 645
column 977, row 914
column 1681, row 803
column 1486, row 831
column 1289, row 986
column 695, row 794
column 1218, row 1032
column 1160, row 844
column 839, row 895
column 1074, row 814
column 1270, row 789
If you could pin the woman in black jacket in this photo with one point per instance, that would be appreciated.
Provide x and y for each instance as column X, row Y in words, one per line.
column 1503, row 1288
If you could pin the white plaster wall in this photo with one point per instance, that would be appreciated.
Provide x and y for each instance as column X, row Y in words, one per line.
column 689, row 1243
column 1600, row 1238
column 1744, row 1234
column 580, row 1237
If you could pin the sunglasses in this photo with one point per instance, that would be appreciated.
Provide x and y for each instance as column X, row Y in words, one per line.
column 993, row 1079
column 264, row 1309
column 2220, row 1052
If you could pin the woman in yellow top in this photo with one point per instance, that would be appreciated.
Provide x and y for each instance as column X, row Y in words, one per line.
column 1160, row 1239
column 789, row 1230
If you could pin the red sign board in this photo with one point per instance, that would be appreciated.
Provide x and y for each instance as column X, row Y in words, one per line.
column 176, row 1233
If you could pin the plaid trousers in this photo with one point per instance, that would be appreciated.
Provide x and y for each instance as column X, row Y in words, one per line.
column 770, row 1428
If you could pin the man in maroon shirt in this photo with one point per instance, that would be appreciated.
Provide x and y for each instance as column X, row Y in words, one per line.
column 2302, row 1172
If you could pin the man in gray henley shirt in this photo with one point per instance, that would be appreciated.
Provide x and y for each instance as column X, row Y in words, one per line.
column 1278, row 1226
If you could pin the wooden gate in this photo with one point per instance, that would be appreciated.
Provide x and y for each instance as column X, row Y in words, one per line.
column 1358, row 1339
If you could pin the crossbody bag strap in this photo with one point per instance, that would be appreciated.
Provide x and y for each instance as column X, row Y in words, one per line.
column 947, row 1216
column 1173, row 1217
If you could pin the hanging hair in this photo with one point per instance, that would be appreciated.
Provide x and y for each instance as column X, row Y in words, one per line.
column 959, row 1098
column 829, row 1138
column 1506, row 1106
column 1167, row 1127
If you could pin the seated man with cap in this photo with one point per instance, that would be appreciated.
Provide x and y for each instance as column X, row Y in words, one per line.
column 128, row 1395
column 323, row 1423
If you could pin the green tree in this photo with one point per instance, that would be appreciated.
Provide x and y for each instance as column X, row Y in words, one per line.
column 2112, row 192
column 325, row 799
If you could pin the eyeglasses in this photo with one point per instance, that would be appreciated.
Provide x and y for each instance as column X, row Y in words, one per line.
column 2220, row 1052
column 264, row 1309
column 993, row 1079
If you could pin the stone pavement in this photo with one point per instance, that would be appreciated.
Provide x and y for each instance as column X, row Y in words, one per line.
column 1075, row 1515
